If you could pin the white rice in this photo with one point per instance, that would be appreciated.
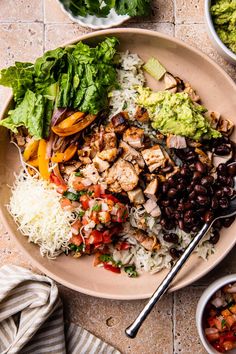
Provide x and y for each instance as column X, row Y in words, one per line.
column 129, row 74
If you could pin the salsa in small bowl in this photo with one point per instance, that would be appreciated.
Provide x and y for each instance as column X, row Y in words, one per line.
column 216, row 316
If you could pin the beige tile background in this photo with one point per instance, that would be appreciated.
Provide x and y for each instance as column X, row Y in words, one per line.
column 27, row 28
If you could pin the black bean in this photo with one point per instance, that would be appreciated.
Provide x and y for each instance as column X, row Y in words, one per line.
column 202, row 200
column 207, row 181
column 168, row 211
column 222, row 169
column 215, row 237
column 219, row 193
column 172, row 192
column 222, row 150
column 200, row 167
column 227, row 222
column 222, row 179
column 187, row 205
column 210, row 190
column 196, row 175
column 218, row 224
column 181, row 224
column 174, row 202
column 230, row 181
column 165, row 187
column 177, row 215
column 180, row 187
column 171, row 181
column 192, row 195
column 180, row 206
column 172, row 237
column 175, row 254
column 231, row 169
column 200, row 189
column 214, row 203
column 167, row 169
column 228, row 191
column 208, row 216
column 165, row 203
column 224, row 203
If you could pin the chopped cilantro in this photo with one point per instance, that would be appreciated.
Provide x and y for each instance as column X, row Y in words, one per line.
column 78, row 174
column 90, row 193
column 125, row 105
column 71, row 196
column 96, row 207
column 131, row 271
column 76, row 248
column 223, row 323
column 106, row 258
column 81, row 213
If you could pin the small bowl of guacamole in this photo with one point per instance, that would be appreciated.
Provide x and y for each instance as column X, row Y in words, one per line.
column 220, row 18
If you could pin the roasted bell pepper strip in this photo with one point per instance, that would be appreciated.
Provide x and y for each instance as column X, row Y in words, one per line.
column 71, row 120
column 85, row 122
column 66, row 155
column 43, row 160
column 31, row 149
column 34, row 162
column 111, row 268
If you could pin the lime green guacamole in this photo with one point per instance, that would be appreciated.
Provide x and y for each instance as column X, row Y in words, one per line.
column 224, row 18
column 175, row 113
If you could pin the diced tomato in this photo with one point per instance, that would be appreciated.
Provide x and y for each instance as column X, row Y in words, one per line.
column 104, row 217
column 230, row 320
column 213, row 337
column 123, row 246
column 111, row 268
column 77, row 185
column 54, row 179
column 107, row 236
column 84, row 200
column 95, row 237
column 225, row 313
column 229, row 336
column 76, row 240
column 84, row 221
column 94, row 217
column 218, row 347
column 218, row 324
column 97, row 191
column 61, row 189
column 65, row 203
column 233, row 309
column 110, row 196
column 75, row 227
column 228, row 345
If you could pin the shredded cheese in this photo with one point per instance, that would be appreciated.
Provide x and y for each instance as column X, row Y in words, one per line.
column 35, row 206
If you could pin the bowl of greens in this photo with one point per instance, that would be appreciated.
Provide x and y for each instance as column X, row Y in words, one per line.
column 220, row 17
column 104, row 14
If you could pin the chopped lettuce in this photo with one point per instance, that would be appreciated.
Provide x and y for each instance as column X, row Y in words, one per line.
column 77, row 77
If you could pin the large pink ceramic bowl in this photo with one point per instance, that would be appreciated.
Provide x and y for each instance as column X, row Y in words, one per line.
column 218, row 92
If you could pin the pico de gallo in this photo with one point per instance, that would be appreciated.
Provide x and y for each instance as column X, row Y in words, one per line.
column 220, row 319
column 98, row 220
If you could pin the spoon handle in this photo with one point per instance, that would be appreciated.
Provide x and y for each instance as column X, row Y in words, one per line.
column 132, row 330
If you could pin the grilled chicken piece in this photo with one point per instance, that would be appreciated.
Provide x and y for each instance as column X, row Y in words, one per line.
column 190, row 91
column 70, row 166
column 152, row 208
column 141, row 115
column 153, row 157
column 134, row 137
column 214, row 119
column 136, row 196
column 118, row 123
column 108, row 154
column 130, row 154
column 124, row 173
column 225, row 126
column 90, row 172
column 151, row 189
column 176, row 142
column 100, row 165
column 148, row 242
column 170, row 82
column 109, row 141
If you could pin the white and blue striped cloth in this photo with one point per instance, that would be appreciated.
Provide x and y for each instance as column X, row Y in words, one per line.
column 31, row 318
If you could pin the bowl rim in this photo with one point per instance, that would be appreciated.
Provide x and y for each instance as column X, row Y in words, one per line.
column 202, row 302
column 39, row 265
column 213, row 32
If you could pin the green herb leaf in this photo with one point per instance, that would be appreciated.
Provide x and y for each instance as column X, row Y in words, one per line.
column 131, row 271
column 223, row 323
column 78, row 174
column 96, row 207
column 81, row 213
column 106, row 258
column 133, row 7
column 71, row 196
column 76, row 248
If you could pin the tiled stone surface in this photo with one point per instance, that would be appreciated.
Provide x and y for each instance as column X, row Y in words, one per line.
column 21, row 10
column 26, row 29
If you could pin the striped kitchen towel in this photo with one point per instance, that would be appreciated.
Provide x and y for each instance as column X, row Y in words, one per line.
column 31, row 318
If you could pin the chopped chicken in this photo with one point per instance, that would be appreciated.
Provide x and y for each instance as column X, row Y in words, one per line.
column 214, row 118
column 69, row 168
column 153, row 157
column 225, row 126
column 100, row 165
column 190, row 91
column 141, row 115
column 152, row 208
column 134, row 137
column 176, row 142
column 124, row 173
column 203, row 157
column 108, row 154
column 130, row 154
column 109, row 141
column 170, row 82
column 90, row 171
column 136, row 196
column 151, row 189
column 85, row 160
column 118, row 123
column 148, row 242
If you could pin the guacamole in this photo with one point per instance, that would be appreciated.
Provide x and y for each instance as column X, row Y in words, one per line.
column 175, row 113
column 224, row 18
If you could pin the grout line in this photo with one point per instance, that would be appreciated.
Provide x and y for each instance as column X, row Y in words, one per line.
column 174, row 10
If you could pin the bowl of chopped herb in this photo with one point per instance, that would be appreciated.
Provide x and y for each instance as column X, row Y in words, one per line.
column 104, row 14
column 220, row 17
